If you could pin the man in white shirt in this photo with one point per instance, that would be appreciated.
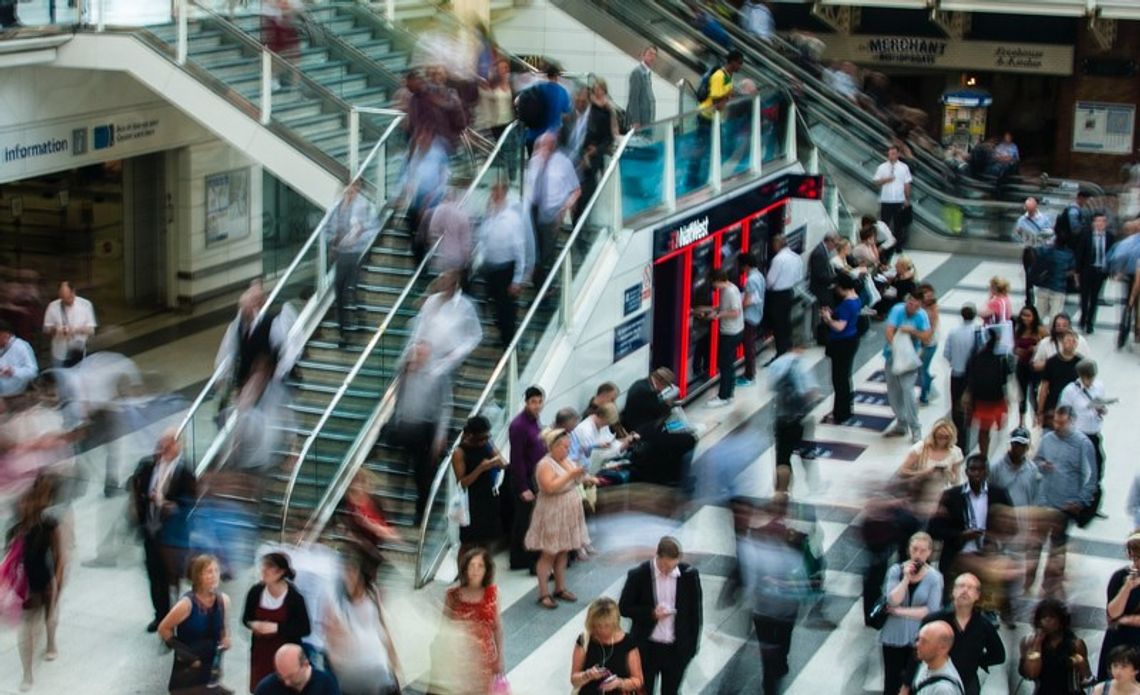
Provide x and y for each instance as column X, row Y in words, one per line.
column 504, row 249
column 1087, row 399
column 729, row 312
column 17, row 363
column 893, row 179
column 70, row 321
column 785, row 271
column 552, row 189
column 757, row 19
column 1031, row 227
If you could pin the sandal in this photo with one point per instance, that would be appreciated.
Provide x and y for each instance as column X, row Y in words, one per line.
column 565, row 596
column 547, row 602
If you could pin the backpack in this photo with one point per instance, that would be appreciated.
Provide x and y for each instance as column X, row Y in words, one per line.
column 937, row 679
column 1063, row 229
column 703, row 85
column 531, row 107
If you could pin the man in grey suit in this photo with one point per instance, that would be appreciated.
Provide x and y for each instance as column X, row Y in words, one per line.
column 642, row 107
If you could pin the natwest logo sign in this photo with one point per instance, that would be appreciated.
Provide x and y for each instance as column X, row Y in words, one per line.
column 689, row 233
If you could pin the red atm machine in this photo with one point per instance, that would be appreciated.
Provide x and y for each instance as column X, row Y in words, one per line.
column 686, row 252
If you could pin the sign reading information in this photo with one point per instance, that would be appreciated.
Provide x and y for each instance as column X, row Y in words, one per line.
column 921, row 52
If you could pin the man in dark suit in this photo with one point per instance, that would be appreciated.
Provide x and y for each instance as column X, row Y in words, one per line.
column 663, row 456
column 663, row 598
column 1092, row 268
column 642, row 107
column 821, row 274
column 965, row 514
column 163, row 491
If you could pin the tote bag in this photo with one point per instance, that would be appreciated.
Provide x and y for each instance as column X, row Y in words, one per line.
column 904, row 358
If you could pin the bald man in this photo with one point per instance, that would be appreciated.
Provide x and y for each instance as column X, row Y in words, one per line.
column 976, row 640
column 294, row 674
column 936, row 674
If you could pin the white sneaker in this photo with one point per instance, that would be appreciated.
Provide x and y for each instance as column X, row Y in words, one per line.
column 719, row 402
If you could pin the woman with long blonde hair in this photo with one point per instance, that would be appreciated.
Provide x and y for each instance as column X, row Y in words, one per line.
column 605, row 658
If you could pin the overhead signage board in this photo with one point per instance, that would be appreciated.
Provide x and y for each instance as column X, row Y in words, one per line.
column 1103, row 128
column 44, row 147
column 936, row 53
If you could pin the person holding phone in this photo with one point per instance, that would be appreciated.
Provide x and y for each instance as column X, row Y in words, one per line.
column 475, row 463
column 913, row 590
column 605, row 659
column 1123, row 609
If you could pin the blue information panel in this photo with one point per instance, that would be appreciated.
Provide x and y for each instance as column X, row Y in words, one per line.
column 631, row 335
column 632, row 299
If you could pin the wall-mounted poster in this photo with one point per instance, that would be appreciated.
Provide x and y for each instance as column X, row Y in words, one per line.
column 1103, row 128
column 227, row 206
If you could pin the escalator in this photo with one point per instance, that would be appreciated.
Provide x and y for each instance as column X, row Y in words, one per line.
column 848, row 143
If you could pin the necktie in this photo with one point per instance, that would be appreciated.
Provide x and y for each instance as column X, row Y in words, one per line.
column 1099, row 260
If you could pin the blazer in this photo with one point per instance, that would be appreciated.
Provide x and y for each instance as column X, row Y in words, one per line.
column 181, row 490
column 951, row 521
column 638, row 601
column 296, row 625
column 821, row 273
column 642, row 107
column 644, row 411
column 1085, row 253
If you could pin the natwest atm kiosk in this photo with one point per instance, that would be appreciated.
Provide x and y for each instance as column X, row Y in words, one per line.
column 686, row 251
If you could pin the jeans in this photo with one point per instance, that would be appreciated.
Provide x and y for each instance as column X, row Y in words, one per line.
column 726, row 365
column 775, row 637
column 751, row 337
column 926, row 381
column 900, row 396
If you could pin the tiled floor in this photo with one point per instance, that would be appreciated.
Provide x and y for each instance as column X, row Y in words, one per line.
column 105, row 650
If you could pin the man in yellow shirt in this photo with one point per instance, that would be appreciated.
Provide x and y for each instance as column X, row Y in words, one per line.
column 720, row 91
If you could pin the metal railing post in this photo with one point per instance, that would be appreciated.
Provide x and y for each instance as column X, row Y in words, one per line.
column 566, row 295
column 813, row 160
column 512, row 381
column 714, row 153
column 382, row 173
column 266, row 87
column 832, row 197
column 101, row 21
column 757, row 151
column 390, row 10
column 617, row 218
column 790, row 135
column 183, row 31
column 669, row 175
column 353, row 143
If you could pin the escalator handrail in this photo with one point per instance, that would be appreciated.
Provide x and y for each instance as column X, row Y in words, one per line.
column 512, row 348
column 319, row 518
column 223, row 368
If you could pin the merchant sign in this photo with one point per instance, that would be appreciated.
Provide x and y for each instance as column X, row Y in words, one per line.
column 921, row 52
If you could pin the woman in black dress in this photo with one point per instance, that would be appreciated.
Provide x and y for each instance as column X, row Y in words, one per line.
column 605, row 658
column 1123, row 609
column 1053, row 657
column 475, row 463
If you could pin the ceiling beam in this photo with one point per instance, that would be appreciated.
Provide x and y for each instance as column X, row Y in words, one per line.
column 844, row 19
column 953, row 24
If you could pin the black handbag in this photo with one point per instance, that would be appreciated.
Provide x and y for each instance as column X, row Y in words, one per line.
column 877, row 617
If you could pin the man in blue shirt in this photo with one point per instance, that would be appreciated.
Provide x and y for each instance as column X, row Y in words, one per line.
column 909, row 318
column 557, row 104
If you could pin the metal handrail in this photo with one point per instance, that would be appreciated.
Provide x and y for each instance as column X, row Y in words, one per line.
column 512, row 348
column 282, row 280
column 310, row 441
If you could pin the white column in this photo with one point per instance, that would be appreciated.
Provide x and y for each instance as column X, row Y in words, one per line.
column 669, row 171
column 714, row 153
column 266, row 87
column 353, row 143
column 757, row 149
column 183, row 48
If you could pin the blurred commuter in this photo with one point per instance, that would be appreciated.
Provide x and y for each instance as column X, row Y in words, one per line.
column 910, row 319
column 930, row 345
column 720, row 91
column 1030, row 229
column 1123, row 607
column 17, row 363
column 932, row 465
column 785, row 272
column 542, row 109
column 70, row 321
column 275, row 613
column 1052, row 656
column 987, row 374
column 1067, row 463
column 424, row 182
column 1087, row 398
column 662, row 596
column 280, row 36
column 913, row 589
column 964, row 516
column 752, row 297
column 1028, row 332
column 362, row 518
column 293, row 673
column 1053, row 266
column 449, row 225
column 197, row 630
column 998, row 308
column 757, row 19
column 641, row 109
column 504, row 248
column 572, row 135
column 960, row 346
column 36, row 535
column 796, row 393
column 477, row 464
column 246, row 341
column 163, row 491
column 472, row 607
column 937, row 673
column 842, row 343
column 527, row 449
column 558, row 523
column 601, row 133
column 551, row 189
column 605, row 659
column 360, row 646
column 496, row 101
column 889, row 520
column 349, row 222
column 666, row 452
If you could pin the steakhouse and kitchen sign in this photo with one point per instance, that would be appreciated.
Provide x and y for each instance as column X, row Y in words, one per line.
column 920, row 52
